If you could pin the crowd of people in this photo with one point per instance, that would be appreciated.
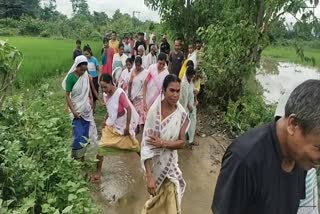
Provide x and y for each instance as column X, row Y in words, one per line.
column 147, row 90
column 151, row 90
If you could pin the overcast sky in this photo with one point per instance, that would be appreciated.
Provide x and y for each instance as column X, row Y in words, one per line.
column 128, row 6
column 110, row 6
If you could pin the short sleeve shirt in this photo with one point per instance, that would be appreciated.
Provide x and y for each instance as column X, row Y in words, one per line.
column 76, row 53
column 176, row 60
column 251, row 179
column 71, row 81
column 92, row 66
column 123, row 103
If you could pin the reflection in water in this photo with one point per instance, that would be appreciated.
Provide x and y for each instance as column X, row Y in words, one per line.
column 276, row 78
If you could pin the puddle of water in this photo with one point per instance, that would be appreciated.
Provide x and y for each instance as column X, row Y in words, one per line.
column 275, row 78
column 123, row 189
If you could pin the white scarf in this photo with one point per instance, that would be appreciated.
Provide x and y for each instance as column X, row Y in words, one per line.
column 119, row 123
column 164, row 161
column 137, row 84
column 80, row 92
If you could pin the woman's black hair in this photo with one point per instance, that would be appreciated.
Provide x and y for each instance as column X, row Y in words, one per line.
column 190, row 71
column 121, row 45
column 106, row 78
column 162, row 57
column 190, row 63
column 78, row 41
column 129, row 60
column 82, row 63
column 169, row 79
column 138, row 60
column 88, row 48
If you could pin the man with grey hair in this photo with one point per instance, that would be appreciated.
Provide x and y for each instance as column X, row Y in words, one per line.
column 151, row 57
column 141, row 53
column 263, row 171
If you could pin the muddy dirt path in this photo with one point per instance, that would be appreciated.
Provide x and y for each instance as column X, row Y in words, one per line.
column 123, row 188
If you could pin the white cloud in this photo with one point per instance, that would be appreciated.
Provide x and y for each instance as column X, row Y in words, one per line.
column 110, row 6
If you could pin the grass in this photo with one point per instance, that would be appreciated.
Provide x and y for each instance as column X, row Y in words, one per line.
column 288, row 53
column 45, row 57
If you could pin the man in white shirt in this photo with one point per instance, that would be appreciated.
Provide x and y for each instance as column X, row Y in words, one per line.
column 151, row 57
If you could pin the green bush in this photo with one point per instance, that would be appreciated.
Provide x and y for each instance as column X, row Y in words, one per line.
column 7, row 32
column 248, row 112
column 95, row 35
column 227, row 61
column 37, row 172
column 31, row 27
column 45, row 34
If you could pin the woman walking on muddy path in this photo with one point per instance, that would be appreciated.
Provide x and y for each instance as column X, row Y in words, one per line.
column 135, row 91
column 163, row 135
column 118, row 133
column 154, row 81
column 79, row 100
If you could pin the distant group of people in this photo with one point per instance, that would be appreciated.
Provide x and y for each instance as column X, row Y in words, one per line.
column 156, row 94
column 147, row 89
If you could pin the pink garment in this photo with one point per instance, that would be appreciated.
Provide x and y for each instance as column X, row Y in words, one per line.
column 107, row 68
column 123, row 102
column 138, row 105
column 131, row 41
column 154, row 83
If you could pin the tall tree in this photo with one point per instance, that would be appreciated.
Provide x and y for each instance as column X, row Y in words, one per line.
column 17, row 8
column 235, row 34
column 49, row 10
column 80, row 7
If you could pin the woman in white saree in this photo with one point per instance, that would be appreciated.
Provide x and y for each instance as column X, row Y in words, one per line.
column 187, row 100
column 164, row 133
column 118, row 133
column 153, row 84
column 79, row 100
column 135, row 91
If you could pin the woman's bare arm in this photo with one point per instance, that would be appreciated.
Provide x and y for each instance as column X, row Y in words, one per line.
column 177, row 144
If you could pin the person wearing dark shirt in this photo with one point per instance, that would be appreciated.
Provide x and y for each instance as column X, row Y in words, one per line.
column 77, row 51
column 263, row 171
column 176, row 58
column 139, row 42
column 153, row 42
column 164, row 46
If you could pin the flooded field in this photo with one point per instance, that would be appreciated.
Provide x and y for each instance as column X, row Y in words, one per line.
column 277, row 77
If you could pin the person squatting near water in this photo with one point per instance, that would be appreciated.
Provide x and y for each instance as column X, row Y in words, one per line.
column 164, row 133
column 264, row 170
column 118, row 133
column 80, row 102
